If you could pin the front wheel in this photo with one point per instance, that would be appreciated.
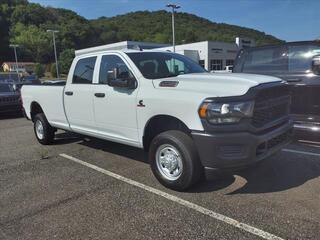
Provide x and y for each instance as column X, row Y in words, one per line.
column 42, row 129
column 174, row 160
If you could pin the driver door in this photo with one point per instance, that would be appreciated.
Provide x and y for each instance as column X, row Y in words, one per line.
column 115, row 108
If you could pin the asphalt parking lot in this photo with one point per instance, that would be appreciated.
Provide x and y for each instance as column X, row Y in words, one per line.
column 82, row 188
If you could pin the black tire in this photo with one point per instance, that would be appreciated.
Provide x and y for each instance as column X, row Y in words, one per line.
column 48, row 131
column 192, row 170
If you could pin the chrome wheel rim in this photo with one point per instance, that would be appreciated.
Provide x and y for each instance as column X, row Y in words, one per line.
column 169, row 162
column 39, row 129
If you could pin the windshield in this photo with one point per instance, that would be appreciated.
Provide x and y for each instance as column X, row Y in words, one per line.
column 293, row 58
column 4, row 88
column 265, row 60
column 300, row 57
column 155, row 65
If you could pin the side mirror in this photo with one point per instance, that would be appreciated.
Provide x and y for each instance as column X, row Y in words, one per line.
column 121, row 79
column 316, row 64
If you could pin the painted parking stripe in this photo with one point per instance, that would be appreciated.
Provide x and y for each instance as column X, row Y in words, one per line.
column 205, row 211
column 301, row 152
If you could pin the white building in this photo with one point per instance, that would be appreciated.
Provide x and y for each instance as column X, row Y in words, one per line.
column 212, row 55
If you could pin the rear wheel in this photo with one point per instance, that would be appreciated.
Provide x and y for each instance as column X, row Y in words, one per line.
column 42, row 129
column 174, row 160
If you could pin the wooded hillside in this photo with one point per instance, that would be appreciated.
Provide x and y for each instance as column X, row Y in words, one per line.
column 25, row 24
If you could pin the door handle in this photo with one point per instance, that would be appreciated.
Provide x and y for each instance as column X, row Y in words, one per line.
column 100, row 95
column 68, row 93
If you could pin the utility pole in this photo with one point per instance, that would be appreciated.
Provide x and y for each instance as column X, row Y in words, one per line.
column 55, row 49
column 173, row 7
column 15, row 46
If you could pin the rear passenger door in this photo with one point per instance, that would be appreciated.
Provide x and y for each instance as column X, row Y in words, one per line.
column 78, row 96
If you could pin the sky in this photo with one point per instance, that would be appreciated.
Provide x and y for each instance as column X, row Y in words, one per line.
column 290, row 20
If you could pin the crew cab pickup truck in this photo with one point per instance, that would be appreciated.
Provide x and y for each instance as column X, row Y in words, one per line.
column 190, row 121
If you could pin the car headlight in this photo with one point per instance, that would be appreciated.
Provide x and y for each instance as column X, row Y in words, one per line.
column 229, row 112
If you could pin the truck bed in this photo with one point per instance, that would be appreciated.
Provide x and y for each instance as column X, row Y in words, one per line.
column 50, row 97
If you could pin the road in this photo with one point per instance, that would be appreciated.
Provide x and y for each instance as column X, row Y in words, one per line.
column 105, row 193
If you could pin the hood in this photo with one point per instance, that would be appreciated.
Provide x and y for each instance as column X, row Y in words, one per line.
column 217, row 84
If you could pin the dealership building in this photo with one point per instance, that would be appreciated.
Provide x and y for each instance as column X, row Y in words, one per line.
column 211, row 55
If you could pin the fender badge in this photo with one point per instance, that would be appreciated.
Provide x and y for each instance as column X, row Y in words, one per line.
column 168, row 84
column 141, row 104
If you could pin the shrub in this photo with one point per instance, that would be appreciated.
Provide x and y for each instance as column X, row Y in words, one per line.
column 38, row 70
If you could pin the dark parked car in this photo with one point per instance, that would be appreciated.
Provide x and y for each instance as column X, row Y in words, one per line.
column 10, row 101
column 299, row 64
column 31, row 79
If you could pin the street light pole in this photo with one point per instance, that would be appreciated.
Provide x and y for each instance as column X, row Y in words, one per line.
column 173, row 7
column 15, row 46
column 54, row 47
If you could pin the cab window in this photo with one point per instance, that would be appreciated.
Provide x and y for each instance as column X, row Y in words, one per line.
column 108, row 64
column 83, row 73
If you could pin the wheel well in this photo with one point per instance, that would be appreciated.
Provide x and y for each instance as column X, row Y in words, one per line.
column 35, row 109
column 159, row 124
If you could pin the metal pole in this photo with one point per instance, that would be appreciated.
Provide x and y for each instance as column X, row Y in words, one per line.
column 55, row 49
column 55, row 54
column 14, row 46
column 173, row 7
column 17, row 66
column 173, row 33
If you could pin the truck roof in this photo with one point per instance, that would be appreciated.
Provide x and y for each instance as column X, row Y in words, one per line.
column 287, row 44
column 106, row 48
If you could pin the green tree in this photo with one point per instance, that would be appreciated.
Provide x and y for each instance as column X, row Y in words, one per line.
column 65, row 60
column 35, row 42
column 53, row 70
column 38, row 70
column 26, row 24
column 4, row 33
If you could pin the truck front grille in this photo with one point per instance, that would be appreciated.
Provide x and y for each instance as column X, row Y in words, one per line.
column 271, row 104
column 9, row 99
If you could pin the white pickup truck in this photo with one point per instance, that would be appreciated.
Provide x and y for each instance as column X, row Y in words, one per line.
column 190, row 121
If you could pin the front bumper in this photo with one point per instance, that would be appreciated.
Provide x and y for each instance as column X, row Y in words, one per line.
column 9, row 108
column 240, row 149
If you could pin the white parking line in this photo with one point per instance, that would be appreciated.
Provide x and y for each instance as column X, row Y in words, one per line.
column 301, row 152
column 205, row 211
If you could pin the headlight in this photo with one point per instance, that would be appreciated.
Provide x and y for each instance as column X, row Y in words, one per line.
column 231, row 112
